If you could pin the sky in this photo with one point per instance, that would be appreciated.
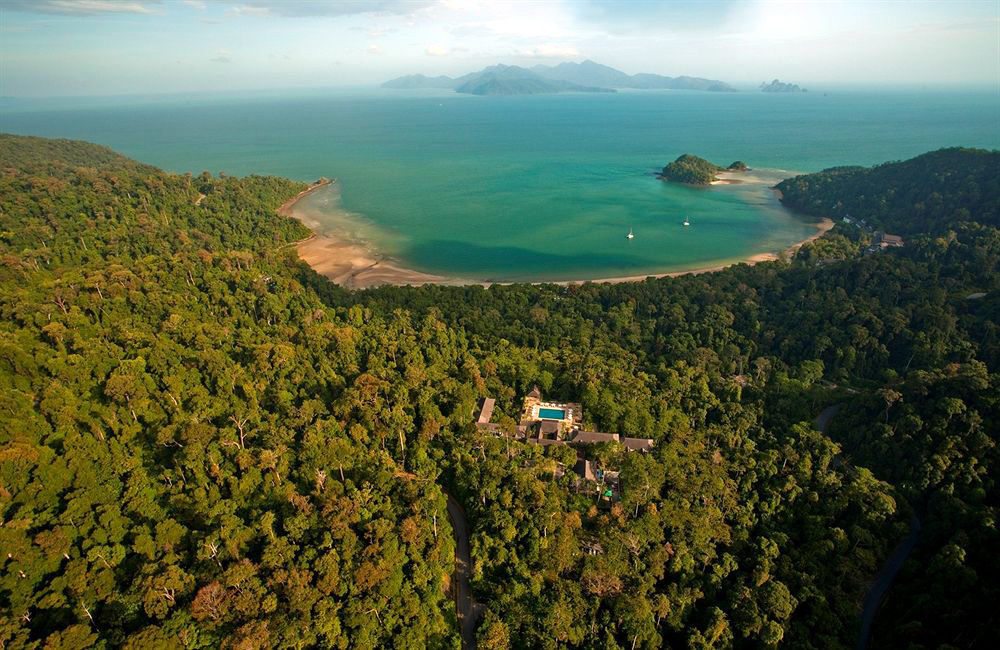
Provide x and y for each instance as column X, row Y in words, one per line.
column 114, row 47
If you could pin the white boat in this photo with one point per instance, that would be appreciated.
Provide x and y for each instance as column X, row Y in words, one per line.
column 686, row 222
column 630, row 235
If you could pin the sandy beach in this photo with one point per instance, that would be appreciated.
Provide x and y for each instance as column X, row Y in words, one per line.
column 729, row 178
column 350, row 264
column 354, row 265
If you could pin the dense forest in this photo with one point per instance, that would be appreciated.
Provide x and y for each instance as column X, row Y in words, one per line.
column 931, row 193
column 204, row 444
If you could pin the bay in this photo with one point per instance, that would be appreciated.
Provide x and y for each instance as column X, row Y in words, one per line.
column 535, row 187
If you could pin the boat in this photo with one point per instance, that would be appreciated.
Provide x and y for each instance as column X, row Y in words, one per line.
column 686, row 222
column 630, row 235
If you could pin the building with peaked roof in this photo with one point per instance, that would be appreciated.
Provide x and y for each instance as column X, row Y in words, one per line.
column 592, row 437
column 585, row 469
column 486, row 410
column 549, row 429
column 638, row 444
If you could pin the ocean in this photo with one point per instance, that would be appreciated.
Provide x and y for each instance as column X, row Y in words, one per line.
column 531, row 187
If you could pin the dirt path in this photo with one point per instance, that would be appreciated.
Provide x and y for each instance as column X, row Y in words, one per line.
column 468, row 610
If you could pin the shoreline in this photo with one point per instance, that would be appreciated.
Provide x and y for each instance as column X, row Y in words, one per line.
column 354, row 265
column 287, row 208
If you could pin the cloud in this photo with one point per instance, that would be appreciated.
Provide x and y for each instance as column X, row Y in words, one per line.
column 550, row 51
column 221, row 57
column 437, row 50
column 374, row 49
column 303, row 8
column 82, row 7
column 250, row 10
column 196, row 4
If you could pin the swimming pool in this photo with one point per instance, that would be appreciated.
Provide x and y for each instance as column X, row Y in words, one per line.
column 551, row 414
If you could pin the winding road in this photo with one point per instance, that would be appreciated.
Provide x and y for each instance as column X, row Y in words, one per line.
column 883, row 579
column 467, row 609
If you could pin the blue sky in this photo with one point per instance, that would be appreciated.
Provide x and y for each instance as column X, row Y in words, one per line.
column 104, row 47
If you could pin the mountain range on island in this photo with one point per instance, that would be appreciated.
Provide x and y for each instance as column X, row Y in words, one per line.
column 586, row 77
column 781, row 87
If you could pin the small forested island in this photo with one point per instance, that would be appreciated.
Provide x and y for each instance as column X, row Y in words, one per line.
column 780, row 87
column 205, row 444
column 692, row 170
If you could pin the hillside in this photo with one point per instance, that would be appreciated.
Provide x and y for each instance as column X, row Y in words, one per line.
column 495, row 80
column 419, row 81
column 591, row 73
column 776, row 86
column 203, row 442
column 512, row 80
column 692, row 170
column 931, row 193
column 586, row 76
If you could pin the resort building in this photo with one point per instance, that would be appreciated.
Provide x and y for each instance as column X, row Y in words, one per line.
column 885, row 240
column 561, row 423
column 486, row 410
column 486, row 406
column 548, row 420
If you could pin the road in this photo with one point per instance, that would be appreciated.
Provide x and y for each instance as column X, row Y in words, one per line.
column 467, row 609
column 823, row 420
column 883, row 579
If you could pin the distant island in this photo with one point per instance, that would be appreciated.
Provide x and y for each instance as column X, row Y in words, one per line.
column 781, row 87
column 586, row 76
column 692, row 170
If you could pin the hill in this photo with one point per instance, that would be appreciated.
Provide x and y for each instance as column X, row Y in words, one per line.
column 592, row 73
column 513, row 80
column 931, row 193
column 495, row 80
column 693, row 170
column 419, row 81
column 586, row 76
column 780, row 87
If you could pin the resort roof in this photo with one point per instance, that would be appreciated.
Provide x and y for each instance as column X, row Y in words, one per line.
column 888, row 240
column 638, row 444
column 585, row 470
column 548, row 426
column 547, row 441
column 535, row 392
column 486, row 411
column 590, row 437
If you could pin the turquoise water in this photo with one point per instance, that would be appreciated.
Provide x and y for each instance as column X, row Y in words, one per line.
column 542, row 187
column 552, row 414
